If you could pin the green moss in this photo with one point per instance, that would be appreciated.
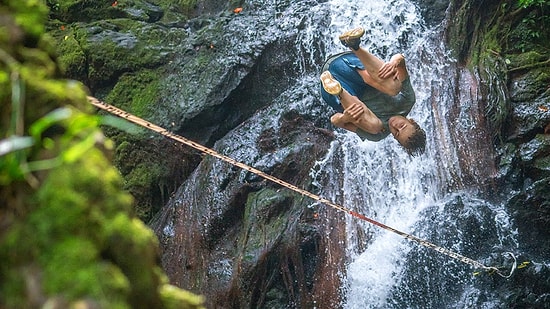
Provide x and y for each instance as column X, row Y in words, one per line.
column 144, row 175
column 172, row 298
column 83, row 10
column 64, row 233
column 526, row 59
column 129, row 47
column 140, row 182
column 71, row 57
column 185, row 7
column 137, row 92
column 130, row 238
column 69, row 237
column 151, row 169
column 266, row 218
column 74, row 262
column 493, row 37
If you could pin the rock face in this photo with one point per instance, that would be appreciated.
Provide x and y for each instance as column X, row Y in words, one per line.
column 228, row 79
column 255, row 244
column 514, row 91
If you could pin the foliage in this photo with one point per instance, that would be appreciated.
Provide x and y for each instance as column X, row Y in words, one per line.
column 68, row 237
column 528, row 3
column 533, row 28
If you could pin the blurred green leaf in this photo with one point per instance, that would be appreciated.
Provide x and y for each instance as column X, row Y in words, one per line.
column 76, row 151
column 47, row 121
column 80, row 124
column 10, row 165
column 119, row 123
column 48, row 143
column 14, row 143
column 43, row 165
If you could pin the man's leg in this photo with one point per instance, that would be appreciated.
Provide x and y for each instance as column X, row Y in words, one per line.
column 390, row 85
column 371, row 63
column 356, row 113
column 360, row 115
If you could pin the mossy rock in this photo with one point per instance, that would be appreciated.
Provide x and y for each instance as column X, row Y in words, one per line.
column 266, row 219
column 63, row 212
column 112, row 53
column 62, row 238
column 98, row 53
column 153, row 168
column 71, row 58
column 84, row 10
column 137, row 92
column 526, row 59
column 530, row 30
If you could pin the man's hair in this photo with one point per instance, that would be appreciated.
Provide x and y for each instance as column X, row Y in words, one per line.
column 416, row 143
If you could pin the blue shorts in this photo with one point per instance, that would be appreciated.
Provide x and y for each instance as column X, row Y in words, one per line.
column 344, row 69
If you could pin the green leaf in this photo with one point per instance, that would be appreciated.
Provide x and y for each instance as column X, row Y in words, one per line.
column 119, row 123
column 47, row 121
column 78, row 150
column 41, row 165
column 80, row 124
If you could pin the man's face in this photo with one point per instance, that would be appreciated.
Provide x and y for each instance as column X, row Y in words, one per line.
column 401, row 128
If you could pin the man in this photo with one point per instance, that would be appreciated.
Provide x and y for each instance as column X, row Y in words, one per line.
column 371, row 98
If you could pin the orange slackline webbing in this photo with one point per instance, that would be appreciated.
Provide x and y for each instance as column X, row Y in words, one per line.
column 123, row 114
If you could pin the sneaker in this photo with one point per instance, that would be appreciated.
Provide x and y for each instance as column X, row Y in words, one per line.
column 352, row 38
column 330, row 84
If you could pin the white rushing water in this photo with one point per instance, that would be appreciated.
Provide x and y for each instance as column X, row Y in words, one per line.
column 379, row 179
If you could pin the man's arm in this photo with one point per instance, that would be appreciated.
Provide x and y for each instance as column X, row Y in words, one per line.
column 357, row 115
column 339, row 120
column 396, row 67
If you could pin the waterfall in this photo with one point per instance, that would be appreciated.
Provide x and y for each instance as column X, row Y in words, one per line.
column 426, row 196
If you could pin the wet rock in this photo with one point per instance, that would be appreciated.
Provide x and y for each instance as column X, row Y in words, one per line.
column 531, row 111
column 433, row 11
column 257, row 244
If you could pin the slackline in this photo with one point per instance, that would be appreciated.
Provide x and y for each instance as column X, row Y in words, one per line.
column 151, row 126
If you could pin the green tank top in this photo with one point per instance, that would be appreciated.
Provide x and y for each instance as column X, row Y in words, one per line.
column 385, row 106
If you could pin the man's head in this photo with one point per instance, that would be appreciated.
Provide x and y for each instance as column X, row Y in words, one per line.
column 409, row 134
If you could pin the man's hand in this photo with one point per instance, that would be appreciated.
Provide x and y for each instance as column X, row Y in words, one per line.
column 355, row 111
column 389, row 69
